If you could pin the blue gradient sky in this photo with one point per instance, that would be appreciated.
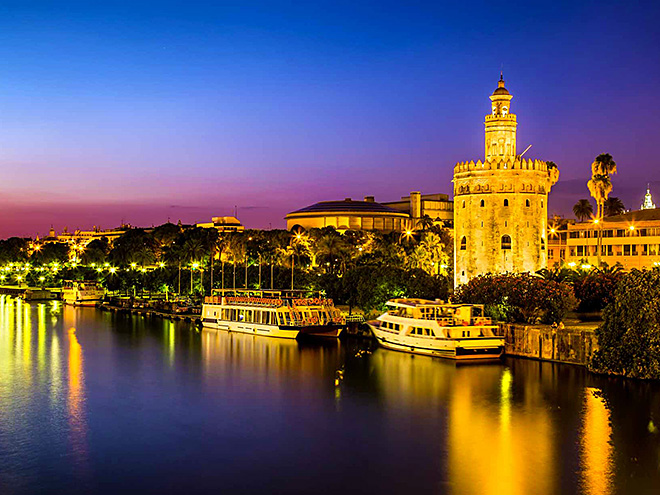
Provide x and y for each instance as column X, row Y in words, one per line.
column 144, row 111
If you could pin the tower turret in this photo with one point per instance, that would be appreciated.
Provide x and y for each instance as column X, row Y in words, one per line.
column 500, row 124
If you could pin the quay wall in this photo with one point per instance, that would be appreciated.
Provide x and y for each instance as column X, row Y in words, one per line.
column 573, row 344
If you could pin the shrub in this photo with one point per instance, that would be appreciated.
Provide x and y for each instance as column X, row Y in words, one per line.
column 523, row 298
column 629, row 338
column 596, row 290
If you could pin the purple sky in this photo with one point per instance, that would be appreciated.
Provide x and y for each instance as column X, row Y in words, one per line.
column 182, row 110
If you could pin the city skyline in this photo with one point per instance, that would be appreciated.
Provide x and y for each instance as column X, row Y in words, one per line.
column 135, row 114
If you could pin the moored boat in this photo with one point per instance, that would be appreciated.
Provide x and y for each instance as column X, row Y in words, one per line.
column 434, row 328
column 82, row 293
column 272, row 313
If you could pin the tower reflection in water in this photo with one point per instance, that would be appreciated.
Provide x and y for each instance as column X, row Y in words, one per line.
column 498, row 440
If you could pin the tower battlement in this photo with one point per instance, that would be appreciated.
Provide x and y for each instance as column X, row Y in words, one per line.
column 507, row 163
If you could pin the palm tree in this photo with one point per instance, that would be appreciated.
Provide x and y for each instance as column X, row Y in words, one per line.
column 424, row 223
column 614, row 206
column 600, row 187
column 237, row 251
column 583, row 209
column 332, row 249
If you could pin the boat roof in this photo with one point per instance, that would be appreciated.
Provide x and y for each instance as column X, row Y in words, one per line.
column 273, row 293
column 420, row 303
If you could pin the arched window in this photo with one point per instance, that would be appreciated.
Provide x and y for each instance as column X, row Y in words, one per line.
column 463, row 244
column 482, row 203
column 506, row 242
column 541, row 203
column 505, row 110
column 527, row 203
column 542, row 243
column 463, row 204
column 506, row 202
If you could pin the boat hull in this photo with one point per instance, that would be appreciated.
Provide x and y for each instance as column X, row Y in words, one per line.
column 466, row 349
column 251, row 328
column 81, row 302
column 325, row 331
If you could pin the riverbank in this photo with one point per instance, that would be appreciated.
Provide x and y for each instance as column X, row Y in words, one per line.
column 573, row 343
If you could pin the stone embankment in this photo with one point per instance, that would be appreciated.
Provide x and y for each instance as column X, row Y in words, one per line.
column 574, row 343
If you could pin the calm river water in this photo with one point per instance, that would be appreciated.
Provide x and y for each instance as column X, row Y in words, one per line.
column 93, row 402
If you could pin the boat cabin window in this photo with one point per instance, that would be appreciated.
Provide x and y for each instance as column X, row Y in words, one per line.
column 427, row 332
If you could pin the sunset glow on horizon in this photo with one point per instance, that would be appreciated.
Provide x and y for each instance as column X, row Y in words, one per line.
column 139, row 113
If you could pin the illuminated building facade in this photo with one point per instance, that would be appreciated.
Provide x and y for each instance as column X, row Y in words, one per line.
column 349, row 214
column 631, row 239
column 438, row 207
column 223, row 224
column 500, row 204
column 392, row 216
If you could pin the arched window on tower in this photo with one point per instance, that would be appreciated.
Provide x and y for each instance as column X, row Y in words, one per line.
column 506, row 242
column 542, row 244
column 463, row 244
column 506, row 202
column 482, row 203
column 527, row 203
column 463, row 204
column 505, row 110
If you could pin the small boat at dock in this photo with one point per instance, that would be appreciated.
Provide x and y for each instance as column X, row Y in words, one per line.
column 272, row 313
column 434, row 328
column 82, row 293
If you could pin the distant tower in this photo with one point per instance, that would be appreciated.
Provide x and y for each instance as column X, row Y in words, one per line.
column 648, row 200
column 500, row 204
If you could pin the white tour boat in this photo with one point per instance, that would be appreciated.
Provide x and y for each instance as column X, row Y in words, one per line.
column 454, row 331
column 273, row 313
column 82, row 293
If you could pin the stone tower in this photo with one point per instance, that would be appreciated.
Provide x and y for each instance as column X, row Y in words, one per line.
column 500, row 204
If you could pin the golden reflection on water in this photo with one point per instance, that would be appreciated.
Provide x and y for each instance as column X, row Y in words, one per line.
column 75, row 381
column 31, row 357
column 494, row 446
column 596, row 449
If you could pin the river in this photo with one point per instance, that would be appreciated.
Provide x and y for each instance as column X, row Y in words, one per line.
column 95, row 402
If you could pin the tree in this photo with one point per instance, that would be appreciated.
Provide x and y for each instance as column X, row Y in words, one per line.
column 583, row 209
column 13, row 249
column 600, row 187
column 424, row 223
column 96, row 251
column 166, row 234
column 628, row 339
column 614, row 206
column 134, row 246
column 197, row 245
column 57, row 252
column 332, row 251
column 429, row 255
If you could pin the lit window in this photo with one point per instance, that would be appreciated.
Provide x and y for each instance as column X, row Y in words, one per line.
column 506, row 242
